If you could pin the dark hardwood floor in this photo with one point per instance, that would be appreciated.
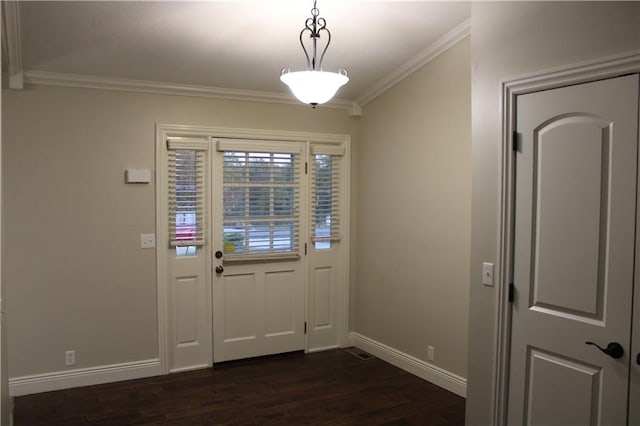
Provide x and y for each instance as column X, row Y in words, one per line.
column 326, row 388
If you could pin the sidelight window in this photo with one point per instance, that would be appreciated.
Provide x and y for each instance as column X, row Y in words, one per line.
column 325, row 195
column 186, row 171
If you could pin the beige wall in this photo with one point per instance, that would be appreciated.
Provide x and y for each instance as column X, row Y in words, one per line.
column 511, row 39
column 73, row 269
column 413, row 221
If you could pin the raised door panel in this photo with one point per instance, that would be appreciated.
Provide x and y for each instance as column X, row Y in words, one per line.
column 186, row 322
column 570, row 216
column 325, row 301
column 238, row 313
column 322, row 298
column 279, row 303
column 189, row 321
column 552, row 378
column 284, row 309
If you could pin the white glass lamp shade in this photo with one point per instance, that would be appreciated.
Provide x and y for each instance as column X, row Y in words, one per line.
column 314, row 87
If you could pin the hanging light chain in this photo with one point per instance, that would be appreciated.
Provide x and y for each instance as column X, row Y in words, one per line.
column 314, row 25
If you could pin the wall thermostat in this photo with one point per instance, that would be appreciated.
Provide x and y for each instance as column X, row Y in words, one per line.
column 137, row 176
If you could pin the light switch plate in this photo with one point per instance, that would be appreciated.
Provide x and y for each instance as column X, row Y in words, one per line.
column 147, row 241
column 487, row 274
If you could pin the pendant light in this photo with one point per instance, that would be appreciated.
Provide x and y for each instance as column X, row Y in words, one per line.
column 314, row 86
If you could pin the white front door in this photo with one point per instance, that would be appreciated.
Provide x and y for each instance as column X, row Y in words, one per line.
column 575, row 214
column 258, row 240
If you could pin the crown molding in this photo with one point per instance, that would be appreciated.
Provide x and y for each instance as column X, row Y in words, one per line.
column 11, row 42
column 156, row 87
column 440, row 46
column 354, row 108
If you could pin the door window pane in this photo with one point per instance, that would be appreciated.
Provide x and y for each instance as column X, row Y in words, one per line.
column 260, row 203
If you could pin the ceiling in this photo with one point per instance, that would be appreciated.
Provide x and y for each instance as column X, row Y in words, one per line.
column 233, row 45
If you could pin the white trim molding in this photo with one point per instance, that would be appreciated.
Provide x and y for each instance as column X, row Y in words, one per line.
column 608, row 67
column 434, row 50
column 83, row 377
column 429, row 372
column 11, row 42
column 164, row 131
column 164, row 88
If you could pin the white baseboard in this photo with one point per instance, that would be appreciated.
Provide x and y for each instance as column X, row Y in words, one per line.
column 83, row 377
column 431, row 373
column 135, row 370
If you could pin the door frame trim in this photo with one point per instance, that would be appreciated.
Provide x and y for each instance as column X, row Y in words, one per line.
column 164, row 130
column 599, row 69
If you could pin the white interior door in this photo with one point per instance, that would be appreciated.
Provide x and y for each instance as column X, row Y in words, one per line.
column 258, row 233
column 634, row 382
column 634, row 389
column 576, row 176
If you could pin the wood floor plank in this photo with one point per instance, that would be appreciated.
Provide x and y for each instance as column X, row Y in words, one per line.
column 326, row 388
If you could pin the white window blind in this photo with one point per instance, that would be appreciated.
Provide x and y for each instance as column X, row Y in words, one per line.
column 186, row 179
column 261, row 199
column 325, row 194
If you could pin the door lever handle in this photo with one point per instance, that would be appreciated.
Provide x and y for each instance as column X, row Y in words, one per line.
column 613, row 349
column 638, row 358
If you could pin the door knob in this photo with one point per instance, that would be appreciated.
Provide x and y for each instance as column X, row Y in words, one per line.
column 638, row 358
column 218, row 254
column 613, row 349
column 219, row 269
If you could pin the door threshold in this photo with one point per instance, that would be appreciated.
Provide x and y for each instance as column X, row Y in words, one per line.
column 257, row 359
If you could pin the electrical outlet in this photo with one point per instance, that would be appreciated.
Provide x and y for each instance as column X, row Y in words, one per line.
column 431, row 353
column 70, row 358
column 147, row 241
